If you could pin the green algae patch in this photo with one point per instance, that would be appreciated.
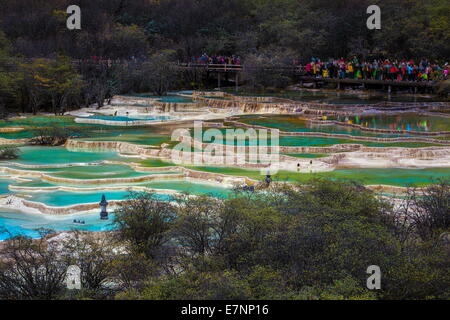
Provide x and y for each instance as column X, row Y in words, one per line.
column 155, row 163
column 392, row 176
column 38, row 121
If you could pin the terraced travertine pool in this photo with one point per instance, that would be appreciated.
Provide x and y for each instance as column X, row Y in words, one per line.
column 393, row 176
column 83, row 130
column 60, row 155
column 63, row 198
column 26, row 224
column 77, row 167
column 20, row 223
column 404, row 121
column 298, row 141
column 341, row 97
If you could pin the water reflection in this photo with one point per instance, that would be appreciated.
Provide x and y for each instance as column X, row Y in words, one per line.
column 399, row 122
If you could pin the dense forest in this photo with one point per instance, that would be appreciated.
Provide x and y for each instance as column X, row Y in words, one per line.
column 305, row 28
column 36, row 47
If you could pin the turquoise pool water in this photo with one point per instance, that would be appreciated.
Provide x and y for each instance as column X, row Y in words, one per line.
column 124, row 133
column 25, row 134
column 33, row 183
column 149, row 139
column 188, row 92
column 63, row 198
column 96, row 172
column 297, row 124
column 196, row 188
column 191, row 187
column 60, row 155
column 18, row 223
column 175, row 99
column 87, row 172
column 294, row 141
column 127, row 119
column 392, row 176
column 325, row 142
column 82, row 130
column 172, row 98
column 4, row 183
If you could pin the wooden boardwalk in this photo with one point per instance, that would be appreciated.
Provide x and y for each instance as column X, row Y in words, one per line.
column 300, row 75
column 213, row 67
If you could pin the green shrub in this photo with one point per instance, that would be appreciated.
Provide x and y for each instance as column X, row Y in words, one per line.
column 9, row 152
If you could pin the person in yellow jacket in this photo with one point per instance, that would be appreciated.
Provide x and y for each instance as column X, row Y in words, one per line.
column 350, row 70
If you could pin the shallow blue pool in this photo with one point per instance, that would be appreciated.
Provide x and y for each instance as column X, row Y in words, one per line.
column 18, row 223
column 13, row 223
column 37, row 155
column 63, row 198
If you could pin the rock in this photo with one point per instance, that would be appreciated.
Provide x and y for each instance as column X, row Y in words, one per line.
column 308, row 85
column 444, row 88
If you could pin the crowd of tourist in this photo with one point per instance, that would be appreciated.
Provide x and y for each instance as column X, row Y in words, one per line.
column 399, row 70
column 206, row 59
column 388, row 69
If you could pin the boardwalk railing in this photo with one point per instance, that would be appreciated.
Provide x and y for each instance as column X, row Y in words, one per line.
column 213, row 67
column 235, row 67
